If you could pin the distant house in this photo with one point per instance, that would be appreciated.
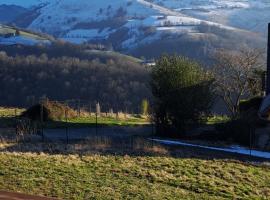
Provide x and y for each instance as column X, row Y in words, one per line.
column 148, row 63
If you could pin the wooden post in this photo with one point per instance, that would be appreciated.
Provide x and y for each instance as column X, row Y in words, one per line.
column 268, row 63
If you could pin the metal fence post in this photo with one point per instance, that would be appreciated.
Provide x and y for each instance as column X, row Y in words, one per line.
column 251, row 137
column 79, row 108
column 90, row 109
column 41, row 119
column 96, row 122
column 66, row 123
column 250, row 141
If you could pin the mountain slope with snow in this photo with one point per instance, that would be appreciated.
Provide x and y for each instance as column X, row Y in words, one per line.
column 250, row 15
column 26, row 4
column 128, row 25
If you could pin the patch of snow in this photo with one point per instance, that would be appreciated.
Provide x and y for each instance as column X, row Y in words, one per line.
column 87, row 34
column 233, row 149
column 203, row 4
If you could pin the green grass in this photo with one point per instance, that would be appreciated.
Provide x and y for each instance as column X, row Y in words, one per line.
column 217, row 119
column 125, row 177
column 7, row 29
column 114, row 54
column 10, row 112
column 6, row 120
column 102, row 121
column 109, row 121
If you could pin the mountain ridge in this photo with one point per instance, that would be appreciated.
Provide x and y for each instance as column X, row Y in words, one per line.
column 128, row 25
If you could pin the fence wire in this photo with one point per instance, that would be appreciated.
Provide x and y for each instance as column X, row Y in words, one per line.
column 73, row 121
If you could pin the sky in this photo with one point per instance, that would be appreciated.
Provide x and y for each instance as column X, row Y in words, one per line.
column 24, row 3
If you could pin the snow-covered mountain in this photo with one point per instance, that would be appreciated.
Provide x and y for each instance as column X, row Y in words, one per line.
column 246, row 14
column 26, row 4
column 9, row 13
column 129, row 25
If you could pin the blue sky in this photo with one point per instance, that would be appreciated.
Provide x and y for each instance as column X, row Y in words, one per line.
column 24, row 3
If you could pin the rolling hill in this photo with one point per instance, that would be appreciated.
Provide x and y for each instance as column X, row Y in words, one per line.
column 62, row 71
column 9, row 13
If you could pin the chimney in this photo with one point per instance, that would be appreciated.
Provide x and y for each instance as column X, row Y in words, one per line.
column 268, row 63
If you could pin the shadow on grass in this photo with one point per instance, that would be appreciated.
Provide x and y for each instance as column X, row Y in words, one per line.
column 8, row 122
column 105, row 139
column 112, row 146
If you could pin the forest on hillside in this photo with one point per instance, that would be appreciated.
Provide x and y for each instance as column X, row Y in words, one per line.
column 65, row 71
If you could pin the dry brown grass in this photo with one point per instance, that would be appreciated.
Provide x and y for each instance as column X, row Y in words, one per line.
column 89, row 146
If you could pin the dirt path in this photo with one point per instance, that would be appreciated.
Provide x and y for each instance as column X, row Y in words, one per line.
column 18, row 196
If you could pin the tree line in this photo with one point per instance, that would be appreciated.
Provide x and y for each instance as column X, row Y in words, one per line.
column 114, row 81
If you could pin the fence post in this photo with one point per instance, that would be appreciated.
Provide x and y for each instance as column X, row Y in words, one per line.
column 96, row 122
column 153, row 127
column 251, row 137
column 79, row 108
column 90, row 111
column 41, row 120
column 66, row 122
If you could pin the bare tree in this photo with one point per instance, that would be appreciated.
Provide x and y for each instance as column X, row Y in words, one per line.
column 236, row 76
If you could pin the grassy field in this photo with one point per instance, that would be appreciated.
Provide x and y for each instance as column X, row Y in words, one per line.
column 9, row 112
column 7, row 29
column 114, row 54
column 6, row 120
column 102, row 121
column 132, row 177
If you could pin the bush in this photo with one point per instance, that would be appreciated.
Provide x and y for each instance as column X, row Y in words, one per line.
column 253, row 103
column 182, row 93
column 240, row 129
column 236, row 130
column 51, row 111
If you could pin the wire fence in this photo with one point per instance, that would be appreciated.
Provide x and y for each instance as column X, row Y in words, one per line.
column 75, row 120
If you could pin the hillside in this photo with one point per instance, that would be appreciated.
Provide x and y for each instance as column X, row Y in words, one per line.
column 11, row 35
column 130, row 25
column 62, row 71
column 9, row 13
